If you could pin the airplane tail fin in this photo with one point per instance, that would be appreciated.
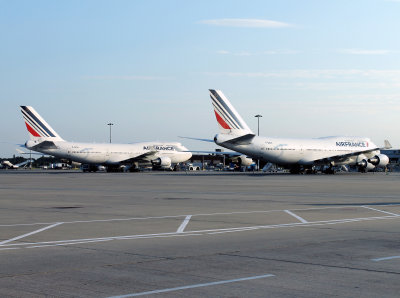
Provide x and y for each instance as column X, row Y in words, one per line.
column 37, row 127
column 387, row 145
column 229, row 120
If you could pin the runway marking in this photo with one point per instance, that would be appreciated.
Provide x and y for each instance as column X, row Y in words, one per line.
column 296, row 216
column 31, row 233
column 189, row 233
column 381, row 211
column 200, row 214
column 184, row 224
column 88, row 240
column 215, row 283
column 384, row 259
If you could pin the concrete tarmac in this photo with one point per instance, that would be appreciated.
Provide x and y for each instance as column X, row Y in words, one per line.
column 72, row 234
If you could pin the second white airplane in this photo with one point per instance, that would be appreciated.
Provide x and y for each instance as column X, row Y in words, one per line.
column 114, row 156
column 298, row 155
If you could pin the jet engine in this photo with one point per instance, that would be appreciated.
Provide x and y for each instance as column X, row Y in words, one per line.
column 163, row 162
column 363, row 164
column 379, row 160
column 366, row 166
column 245, row 161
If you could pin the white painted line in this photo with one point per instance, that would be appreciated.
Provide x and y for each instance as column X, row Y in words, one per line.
column 390, row 213
column 387, row 258
column 31, row 233
column 191, row 233
column 296, row 216
column 194, row 286
column 129, row 237
column 184, row 224
column 102, row 240
column 200, row 214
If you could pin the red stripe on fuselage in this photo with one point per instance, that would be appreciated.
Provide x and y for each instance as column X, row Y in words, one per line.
column 31, row 130
column 221, row 121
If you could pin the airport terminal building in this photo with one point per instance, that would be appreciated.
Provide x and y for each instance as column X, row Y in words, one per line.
column 393, row 154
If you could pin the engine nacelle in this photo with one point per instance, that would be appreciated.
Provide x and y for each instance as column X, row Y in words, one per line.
column 163, row 161
column 365, row 166
column 369, row 167
column 379, row 160
column 245, row 161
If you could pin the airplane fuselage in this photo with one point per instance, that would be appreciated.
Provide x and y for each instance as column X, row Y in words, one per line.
column 289, row 151
column 112, row 154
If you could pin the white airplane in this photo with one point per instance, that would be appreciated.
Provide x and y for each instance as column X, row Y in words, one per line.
column 7, row 164
column 114, row 156
column 299, row 155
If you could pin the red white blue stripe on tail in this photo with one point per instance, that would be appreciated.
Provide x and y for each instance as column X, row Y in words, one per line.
column 228, row 118
column 36, row 125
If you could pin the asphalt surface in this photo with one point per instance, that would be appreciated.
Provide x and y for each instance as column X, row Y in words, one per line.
column 70, row 234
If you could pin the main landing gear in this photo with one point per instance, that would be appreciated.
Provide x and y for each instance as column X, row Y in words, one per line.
column 312, row 170
column 329, row 170
column 303, row 170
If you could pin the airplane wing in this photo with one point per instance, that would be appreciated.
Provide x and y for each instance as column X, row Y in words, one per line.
column 343, row 157
column 208, row 153
column 147, row 156
column 197, row 139
column 242, row 140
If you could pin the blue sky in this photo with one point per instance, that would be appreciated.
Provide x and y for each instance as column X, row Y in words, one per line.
column 311, row 68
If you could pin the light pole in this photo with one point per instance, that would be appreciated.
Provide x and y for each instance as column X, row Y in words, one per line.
column 110, row 124
column 258, row 133
column 258, row 123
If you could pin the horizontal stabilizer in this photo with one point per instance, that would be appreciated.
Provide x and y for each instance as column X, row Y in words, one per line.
column 242, row 140
column 45, row 145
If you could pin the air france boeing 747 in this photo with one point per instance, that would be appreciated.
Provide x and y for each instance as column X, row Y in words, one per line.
column 45, row 140
column 297, row 154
